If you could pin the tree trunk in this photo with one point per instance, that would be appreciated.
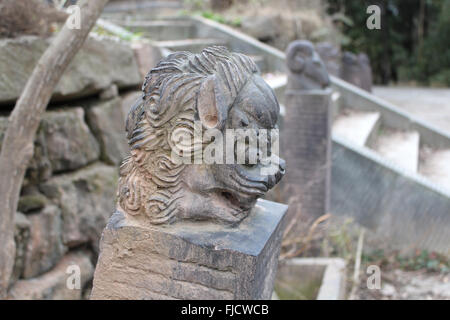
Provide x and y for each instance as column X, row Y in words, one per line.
column 23, row 122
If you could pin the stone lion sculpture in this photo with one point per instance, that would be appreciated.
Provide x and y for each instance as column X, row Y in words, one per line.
column 221, row 91
column 306, row 69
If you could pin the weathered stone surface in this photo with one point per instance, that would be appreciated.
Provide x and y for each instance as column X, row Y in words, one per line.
column 278, row 30
column 53, row 284
column 31, row 202
column 107, row 122
column 21, row 237
column 3, row 126
column 154, row 185
column 190, row 260
column 214, row 243
column 356, row 70
column 263, row 27
column 147, row 56
column 45, row 247
column 109, row 93
column 128, row 101
column 331, row 57
column 306, row 70
column 97, row 65
column 307, row 147
column 64, row 141
column 86, row 199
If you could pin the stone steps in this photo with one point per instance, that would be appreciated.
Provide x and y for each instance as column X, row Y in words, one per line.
column 400, row 147
column 356, row 126
column 363, row 176
column 161, row 30
column 277, row 81
column 198, row 44
column 146, row 8
column 435, row 164
column 191, row 45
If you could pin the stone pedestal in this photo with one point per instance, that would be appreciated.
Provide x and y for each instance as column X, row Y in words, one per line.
column 191, row 260
column 306, row 146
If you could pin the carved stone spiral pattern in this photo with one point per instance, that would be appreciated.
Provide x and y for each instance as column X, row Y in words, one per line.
column 150, row 181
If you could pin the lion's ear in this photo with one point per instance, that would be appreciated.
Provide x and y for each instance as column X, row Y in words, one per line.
column 213, row 103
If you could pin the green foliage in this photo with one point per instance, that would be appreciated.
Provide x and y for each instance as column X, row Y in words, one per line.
column 412, row 45
column 132, row 37
column 214, row 16
column 236, row 22
column 341, row 240
column 420, row 260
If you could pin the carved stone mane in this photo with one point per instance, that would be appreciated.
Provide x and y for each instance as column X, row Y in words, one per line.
column 306, row 69
column 181, row 89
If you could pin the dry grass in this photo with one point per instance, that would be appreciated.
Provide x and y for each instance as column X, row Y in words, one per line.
column 301, row 243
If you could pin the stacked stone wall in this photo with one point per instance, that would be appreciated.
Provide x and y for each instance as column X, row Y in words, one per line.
column 70, row 185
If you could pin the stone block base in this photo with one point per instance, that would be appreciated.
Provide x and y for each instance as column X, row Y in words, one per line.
column 191, row 260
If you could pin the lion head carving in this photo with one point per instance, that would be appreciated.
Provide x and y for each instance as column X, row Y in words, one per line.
column 214, row 90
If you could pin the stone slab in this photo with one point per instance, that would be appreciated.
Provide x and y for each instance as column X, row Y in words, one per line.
column 86, row 199
column 400, row 147
column 191, row 260
column 436, row 166
column 356, row 126
column 107, row 122
column 160, row 30
column 99, row 64
column 45, row 247
column 312, row 278
column 63, row 143
column 191, row 45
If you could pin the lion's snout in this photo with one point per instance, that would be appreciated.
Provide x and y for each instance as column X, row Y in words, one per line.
column 273, row 174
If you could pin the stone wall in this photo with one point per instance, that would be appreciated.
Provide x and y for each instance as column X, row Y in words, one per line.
column 70, row 186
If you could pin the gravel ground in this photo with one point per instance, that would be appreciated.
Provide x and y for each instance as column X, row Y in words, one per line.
column 407, row 285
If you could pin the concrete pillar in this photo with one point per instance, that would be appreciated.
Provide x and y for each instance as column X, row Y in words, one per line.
column 191, row 260
column 306, row 148
column 306, row 136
